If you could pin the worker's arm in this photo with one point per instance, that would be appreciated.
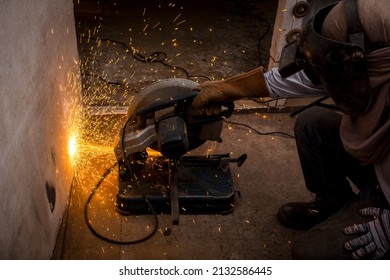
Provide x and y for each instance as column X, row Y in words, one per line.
column 255, row 83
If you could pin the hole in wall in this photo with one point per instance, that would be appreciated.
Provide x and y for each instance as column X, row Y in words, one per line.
column 51, row 195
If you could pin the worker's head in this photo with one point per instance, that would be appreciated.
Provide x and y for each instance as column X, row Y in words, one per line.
column 336, row 46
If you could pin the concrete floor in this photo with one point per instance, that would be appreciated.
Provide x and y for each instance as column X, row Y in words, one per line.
column 206, row 38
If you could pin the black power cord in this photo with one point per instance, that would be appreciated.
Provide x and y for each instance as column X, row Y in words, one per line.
column 155, row 57
column 275, row 133
column 113, row 241
column 106, row 81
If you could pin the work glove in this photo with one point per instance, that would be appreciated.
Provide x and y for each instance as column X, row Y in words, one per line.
column 374, row 240
column 213, row 93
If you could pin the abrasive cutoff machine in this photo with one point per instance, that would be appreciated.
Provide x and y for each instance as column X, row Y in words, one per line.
column 158, row 173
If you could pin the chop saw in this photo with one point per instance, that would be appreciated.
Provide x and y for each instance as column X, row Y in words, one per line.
column 156, row 167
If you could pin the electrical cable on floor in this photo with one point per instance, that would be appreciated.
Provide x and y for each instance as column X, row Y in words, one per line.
column 155, row 57
column 274, row 133
column 113, row 241
column 161, row 57
column 104, row 80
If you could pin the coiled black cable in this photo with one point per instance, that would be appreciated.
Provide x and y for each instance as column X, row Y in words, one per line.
column 98, row 184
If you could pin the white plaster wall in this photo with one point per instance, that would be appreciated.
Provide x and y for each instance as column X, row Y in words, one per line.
column 38, row 88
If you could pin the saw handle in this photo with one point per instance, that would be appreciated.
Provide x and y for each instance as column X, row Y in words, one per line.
column 226, row 112
column 229, row 105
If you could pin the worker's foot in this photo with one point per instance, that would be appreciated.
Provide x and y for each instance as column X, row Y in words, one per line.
column 301, row 215
column 304, row 215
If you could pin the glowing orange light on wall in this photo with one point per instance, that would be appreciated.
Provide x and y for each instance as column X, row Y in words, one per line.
column 72, row 146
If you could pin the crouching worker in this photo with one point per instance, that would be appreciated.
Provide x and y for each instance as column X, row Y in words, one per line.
column 346, row 48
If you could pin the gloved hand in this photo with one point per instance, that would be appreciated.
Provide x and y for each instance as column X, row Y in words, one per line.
column 375, row 239
column 212, row 93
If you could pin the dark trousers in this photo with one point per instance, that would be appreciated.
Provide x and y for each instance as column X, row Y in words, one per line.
column 326, row 166
column 328, row 170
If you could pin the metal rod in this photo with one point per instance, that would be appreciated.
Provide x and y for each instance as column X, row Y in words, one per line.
column 174, row 195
